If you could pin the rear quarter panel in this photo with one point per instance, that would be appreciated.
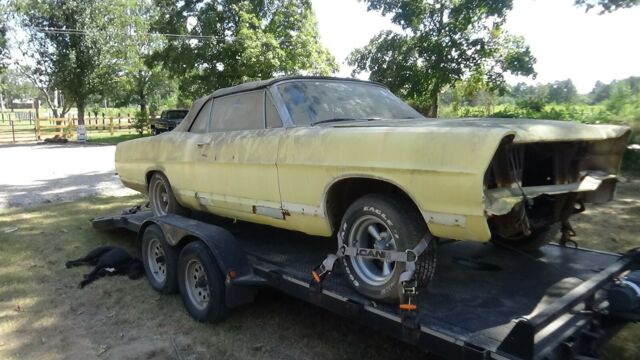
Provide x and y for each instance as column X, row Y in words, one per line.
column 166, row 153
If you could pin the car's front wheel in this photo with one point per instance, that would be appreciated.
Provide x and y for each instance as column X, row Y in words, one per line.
column 161, row 198
column 384, row 222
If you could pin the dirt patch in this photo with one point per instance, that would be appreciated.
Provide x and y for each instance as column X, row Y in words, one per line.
column 43, row 315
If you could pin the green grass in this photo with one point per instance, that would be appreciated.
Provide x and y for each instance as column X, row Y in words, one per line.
column 44, row 316
column 106, row 138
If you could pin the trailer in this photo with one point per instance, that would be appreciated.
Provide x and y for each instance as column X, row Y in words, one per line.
column 485, row 301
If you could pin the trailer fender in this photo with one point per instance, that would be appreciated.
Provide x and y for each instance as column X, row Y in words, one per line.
column 224, row 248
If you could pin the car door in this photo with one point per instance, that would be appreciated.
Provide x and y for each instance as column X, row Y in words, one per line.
column 238, row 175
column 184, row 155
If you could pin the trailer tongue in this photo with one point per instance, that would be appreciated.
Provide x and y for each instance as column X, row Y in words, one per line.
column 482, row 302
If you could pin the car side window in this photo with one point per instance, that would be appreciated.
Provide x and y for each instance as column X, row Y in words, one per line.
column 244, row 111
column 271, row 113
column 201, row 123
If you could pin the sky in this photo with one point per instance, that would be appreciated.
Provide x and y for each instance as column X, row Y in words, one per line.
column 567, row 42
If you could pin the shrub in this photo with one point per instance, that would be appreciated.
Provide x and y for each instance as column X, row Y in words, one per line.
column 534, row 104
column 141, row 121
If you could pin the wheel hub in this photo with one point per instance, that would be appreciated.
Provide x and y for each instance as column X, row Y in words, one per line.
column 372, row 233
column 159, row 196
column 197, row 284
column 156, row 260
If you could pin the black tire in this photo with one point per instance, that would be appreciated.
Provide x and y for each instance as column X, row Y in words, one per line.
column 533, row 242
column 205, row 301
column 162, row 201
column 160, row 261
column 398, row 217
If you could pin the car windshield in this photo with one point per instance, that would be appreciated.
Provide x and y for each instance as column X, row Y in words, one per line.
column 176, row 114
column 316, row 101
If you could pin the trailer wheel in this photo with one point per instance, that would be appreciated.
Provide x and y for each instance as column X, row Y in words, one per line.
column 385, row 222
column 201, row 284
column 160, row 261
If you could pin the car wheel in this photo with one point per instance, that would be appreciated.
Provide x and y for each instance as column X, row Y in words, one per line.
column 161, row 198
column 382, row 221
column 160, row 261
column 201, row 284
column 533, row 242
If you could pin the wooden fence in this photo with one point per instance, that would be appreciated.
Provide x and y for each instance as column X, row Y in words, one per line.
column 68, row 127
column 32, row 130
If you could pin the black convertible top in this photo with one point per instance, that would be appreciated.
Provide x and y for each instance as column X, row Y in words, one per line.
column 261, row 84
column 248, row 86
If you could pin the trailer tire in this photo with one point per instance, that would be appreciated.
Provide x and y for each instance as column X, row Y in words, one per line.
column 402, row 226
column 160, row 261
column 202, row 286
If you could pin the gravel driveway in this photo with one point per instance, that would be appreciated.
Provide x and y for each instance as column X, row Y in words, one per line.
column 36, row 174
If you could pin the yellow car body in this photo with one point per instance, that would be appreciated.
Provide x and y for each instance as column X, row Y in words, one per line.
column 287, row 176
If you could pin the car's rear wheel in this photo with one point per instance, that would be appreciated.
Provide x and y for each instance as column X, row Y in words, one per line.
column 386, row 222
column 161, row 198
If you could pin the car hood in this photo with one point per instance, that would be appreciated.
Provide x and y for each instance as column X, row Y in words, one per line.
column 525, row 130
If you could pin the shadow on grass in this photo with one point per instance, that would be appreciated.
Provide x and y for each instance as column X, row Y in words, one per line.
column 43, row 314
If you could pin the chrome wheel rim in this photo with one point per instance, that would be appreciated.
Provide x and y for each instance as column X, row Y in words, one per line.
column 197, row 284
column 159, row 198
column 157, row 261
column 372, row 233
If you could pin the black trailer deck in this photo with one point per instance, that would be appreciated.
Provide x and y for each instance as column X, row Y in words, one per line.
column 484, row 302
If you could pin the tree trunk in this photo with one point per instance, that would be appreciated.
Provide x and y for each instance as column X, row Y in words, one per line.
column 143, row 105
column 52, row 104
column 80, row 112
column 142, row 84
column 433, row 104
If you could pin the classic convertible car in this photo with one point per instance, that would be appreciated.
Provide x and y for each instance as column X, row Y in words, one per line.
column 329, row 156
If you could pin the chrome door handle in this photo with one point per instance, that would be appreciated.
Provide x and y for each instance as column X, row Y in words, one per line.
column 201, row 144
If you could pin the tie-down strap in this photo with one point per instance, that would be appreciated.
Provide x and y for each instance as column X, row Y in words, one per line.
column 409, row 257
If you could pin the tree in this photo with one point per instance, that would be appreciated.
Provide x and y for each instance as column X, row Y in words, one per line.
column 606, row 6
column 621, row 96
column 441, row 43
column 562, row 92
column 3, row 51
column 138, row 82
column 15, row 88
column 226, row 42
column 600, row 92
column 3, row 43
column 72, row 38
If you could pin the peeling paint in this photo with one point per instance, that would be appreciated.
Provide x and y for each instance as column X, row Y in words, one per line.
column 440, row 164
